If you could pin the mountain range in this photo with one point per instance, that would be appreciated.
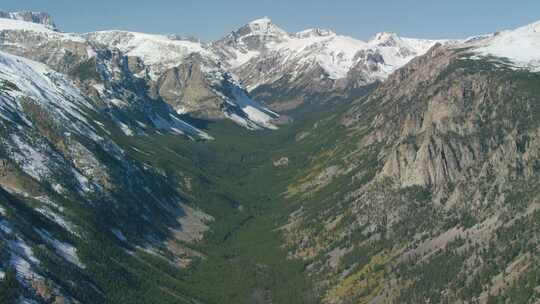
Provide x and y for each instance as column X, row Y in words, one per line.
column 267, row 166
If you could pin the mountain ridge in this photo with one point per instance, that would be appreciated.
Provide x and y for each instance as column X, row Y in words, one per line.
column 34, row 17
column 265, row 58
column 140, row 168
column 152, row 60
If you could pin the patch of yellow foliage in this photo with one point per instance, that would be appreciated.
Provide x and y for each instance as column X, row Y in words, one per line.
column 363, row 285
column 319, row 162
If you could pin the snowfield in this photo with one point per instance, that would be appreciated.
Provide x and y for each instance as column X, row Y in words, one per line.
column 259, row 40
column 65, row 250
column 521, row 46
column 20, row 25
column 336, row 54
column 157, row 51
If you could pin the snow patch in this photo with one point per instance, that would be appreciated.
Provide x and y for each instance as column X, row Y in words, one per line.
column 65, row 250
column 32, row 161
column 157, row 51
column 42, row 85
column 57, row 218
column 178, row 126
column 20, row 25
column 117, row 102
column 5, row 227
column 22, row 258
column 58, row 188
column 125, row 128
column 83, row 182
column 521, row 46
column 335, row 54
column 119, row 235
column 254, row 110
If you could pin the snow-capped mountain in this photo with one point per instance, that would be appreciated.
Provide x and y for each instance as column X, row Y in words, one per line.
column 158, row 52
column 215, row 81
column 95, row 198
column 520, row 46
column 34, row 17
column 336, row 54
column 29, row 81
column 61, row 161
column 184, row 74
column 262, row 55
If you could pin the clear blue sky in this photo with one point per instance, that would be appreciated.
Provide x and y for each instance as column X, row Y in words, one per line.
column 210, row 19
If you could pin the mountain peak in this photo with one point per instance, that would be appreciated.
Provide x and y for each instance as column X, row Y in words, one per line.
column 261, row 21
column 28, row 16
column 315, row 32
column 385, row 39
column 519, row 46
column 533, row 27
column 254, row 36
column 265, row 27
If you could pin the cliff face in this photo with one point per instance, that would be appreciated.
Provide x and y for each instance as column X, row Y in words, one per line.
column 424, row 190
column 444, row 115
column 34, row 17
column 440, row 157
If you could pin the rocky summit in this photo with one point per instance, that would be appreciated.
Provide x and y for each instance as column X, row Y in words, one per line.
column 267, row 167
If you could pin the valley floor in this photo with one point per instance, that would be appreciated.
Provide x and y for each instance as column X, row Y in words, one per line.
column 244, row 190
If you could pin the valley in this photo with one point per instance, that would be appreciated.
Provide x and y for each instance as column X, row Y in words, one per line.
column 267, row 167
column 241, row 187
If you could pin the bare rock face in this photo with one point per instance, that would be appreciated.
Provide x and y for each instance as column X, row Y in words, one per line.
column 252, row 37
column 444, row 165
column 314, row 65
column 154, row 77
column 433, row 127
column 53, row 159
column 34, row 17
column 420, row 153
column 186, row 89
column 287, row 85
column 282, row 162
column 51, row 49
